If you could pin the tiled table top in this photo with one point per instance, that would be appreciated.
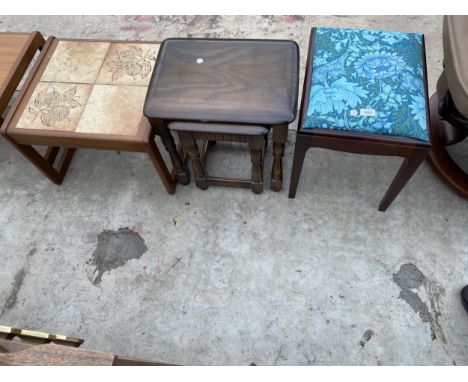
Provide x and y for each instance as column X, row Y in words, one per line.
column 91, row 87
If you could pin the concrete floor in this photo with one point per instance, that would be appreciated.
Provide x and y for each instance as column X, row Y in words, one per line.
column 225, row 276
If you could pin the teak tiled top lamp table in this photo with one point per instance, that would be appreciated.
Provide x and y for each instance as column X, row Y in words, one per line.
column 218, row 88
column 85, row 94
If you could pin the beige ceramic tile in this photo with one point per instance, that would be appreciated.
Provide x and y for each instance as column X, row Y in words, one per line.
column 128, row 64
column 113, row 110
column 76, row 61
column 55, row 106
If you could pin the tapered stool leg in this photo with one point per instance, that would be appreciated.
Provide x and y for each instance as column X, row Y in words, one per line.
column 300, row 150
column 406, row 171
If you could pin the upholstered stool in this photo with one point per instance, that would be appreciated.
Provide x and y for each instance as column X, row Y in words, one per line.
column 449, row 106
column 365, row 91
column 255, row 136
column 85, row 94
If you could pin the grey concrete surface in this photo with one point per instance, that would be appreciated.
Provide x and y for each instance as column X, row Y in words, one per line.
column 224, row 276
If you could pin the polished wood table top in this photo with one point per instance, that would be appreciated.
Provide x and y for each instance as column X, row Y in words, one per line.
column 21, row 353
column 15, row 56
column 217, row 80
column 10, row 49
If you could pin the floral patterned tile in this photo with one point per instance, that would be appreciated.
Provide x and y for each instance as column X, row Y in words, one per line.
column 128, row 64
column 76, row 61
column 116, row 110
column 55, row 106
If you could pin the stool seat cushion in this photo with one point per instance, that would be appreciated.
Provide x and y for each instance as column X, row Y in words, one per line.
column 368, row 81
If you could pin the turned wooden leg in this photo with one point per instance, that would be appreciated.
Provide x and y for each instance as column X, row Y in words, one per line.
column 198, row 168
column 280, row 134
column 406, row 171
column 181, row 173
column 158, row 162
column 300, row 150
column 256, row 153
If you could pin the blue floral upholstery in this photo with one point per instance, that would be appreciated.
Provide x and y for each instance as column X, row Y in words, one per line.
column 368, row 81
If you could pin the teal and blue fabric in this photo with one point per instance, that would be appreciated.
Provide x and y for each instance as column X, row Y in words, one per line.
column 368, row 81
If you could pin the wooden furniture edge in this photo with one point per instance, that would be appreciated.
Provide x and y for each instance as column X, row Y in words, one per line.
column 23, row 61
column 65, row 138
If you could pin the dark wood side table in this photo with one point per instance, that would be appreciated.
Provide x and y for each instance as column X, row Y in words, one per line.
column 223, row 81
column 16, row 53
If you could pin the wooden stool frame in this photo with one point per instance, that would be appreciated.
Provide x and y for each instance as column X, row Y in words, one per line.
column 413, row 151
column 257, row 145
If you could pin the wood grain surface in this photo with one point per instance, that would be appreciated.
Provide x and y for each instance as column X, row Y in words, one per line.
column 239, row 81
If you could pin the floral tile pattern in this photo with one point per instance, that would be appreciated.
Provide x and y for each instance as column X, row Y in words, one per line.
column 76, row 61
column 92, row 87
column 128, row 64
column 115, row 110
column 368, row 81
column 55, row 106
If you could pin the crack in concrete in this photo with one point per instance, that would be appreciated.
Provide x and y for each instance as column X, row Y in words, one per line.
column 17, row 283
column 410, row 277
column 114, row 249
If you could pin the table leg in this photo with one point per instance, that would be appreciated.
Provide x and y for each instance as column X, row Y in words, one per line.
column 158, row 162
column 256, row 153
column 280, row 135
column 182, row 175
column 406, row 171
column 46, row 163
column 198, row 169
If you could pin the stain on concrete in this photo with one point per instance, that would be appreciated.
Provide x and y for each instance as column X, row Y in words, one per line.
column 279, row 355
column 366, row 337
column 17, row 283
column 114, row 249
column 31, row 253
column 410, row 277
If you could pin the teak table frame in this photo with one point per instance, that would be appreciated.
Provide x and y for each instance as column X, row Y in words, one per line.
column 49, row 164
column 413, row 151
